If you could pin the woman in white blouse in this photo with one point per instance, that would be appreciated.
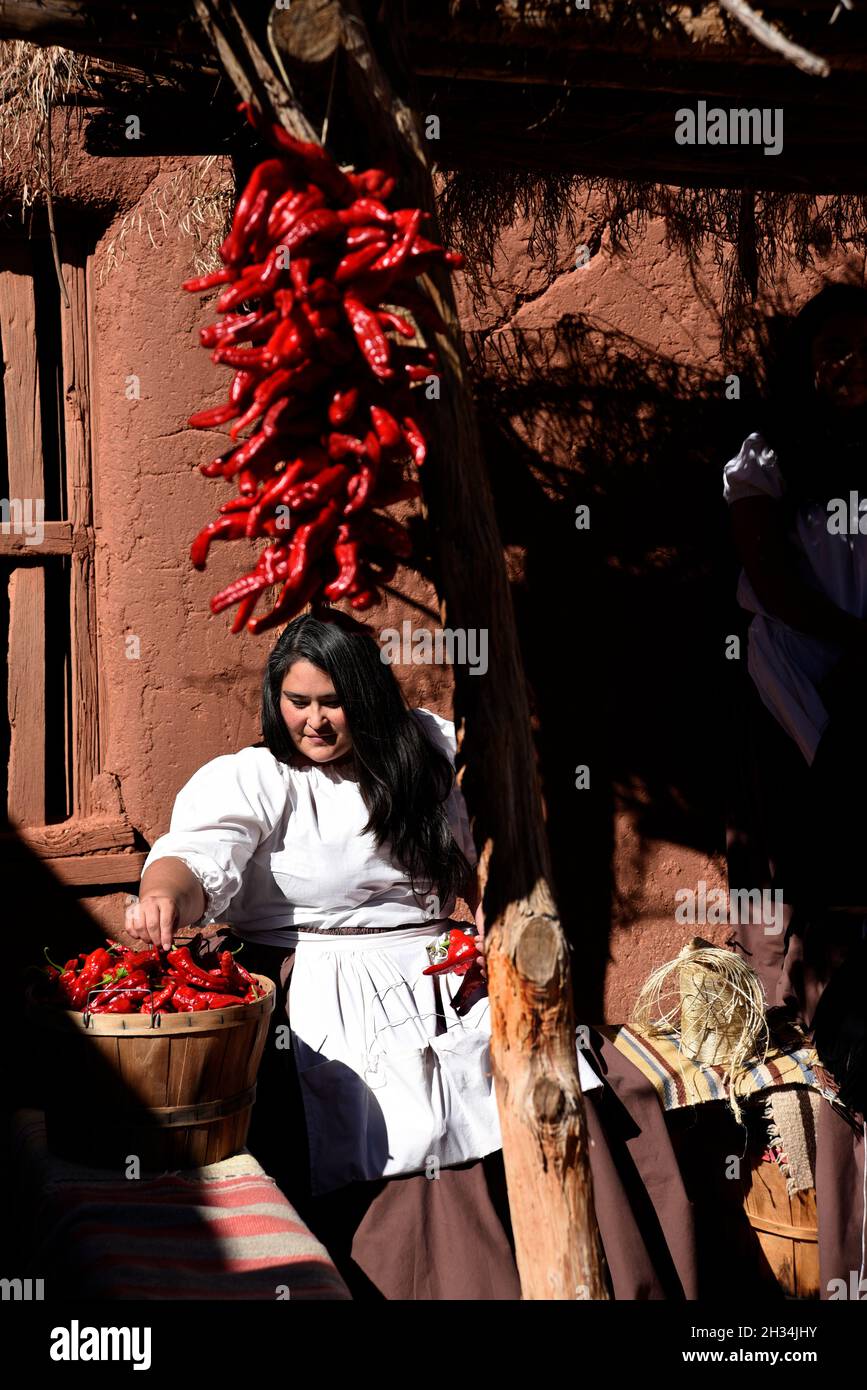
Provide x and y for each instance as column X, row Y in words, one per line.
column 335, row 850
column 800, row 527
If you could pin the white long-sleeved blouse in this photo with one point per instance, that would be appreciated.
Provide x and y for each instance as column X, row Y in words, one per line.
column 789, row 666
column 281, row 848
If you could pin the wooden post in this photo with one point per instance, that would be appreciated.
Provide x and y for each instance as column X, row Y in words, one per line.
column 83, row 649
column 534, row 1057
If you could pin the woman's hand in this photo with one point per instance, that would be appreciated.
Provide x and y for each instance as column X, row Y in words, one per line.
column 170, row 897
column 154, row 918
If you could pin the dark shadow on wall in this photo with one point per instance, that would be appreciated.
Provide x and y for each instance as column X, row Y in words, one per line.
column 623, row 625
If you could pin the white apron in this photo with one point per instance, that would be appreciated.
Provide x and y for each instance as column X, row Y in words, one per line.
column 384, row 1092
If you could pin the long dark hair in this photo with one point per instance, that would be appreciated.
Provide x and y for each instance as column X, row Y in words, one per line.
column 402, row 777
column 821, row 450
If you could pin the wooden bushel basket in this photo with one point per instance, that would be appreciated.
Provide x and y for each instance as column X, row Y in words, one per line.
column 787, row 1230
column 175, row 1091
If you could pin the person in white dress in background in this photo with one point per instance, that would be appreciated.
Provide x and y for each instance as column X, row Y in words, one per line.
column 335, row 850
column 794, row 492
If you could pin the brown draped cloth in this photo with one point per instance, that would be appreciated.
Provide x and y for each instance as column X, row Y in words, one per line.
column 840, row 1204
column 645, row 1217
column 802, row 829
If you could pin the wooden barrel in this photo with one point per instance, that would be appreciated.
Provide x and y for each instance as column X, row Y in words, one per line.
column 787, row 1230
column 175, row 1091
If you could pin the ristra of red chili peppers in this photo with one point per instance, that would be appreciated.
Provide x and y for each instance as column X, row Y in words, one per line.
column 118, row 980
column 324, row 324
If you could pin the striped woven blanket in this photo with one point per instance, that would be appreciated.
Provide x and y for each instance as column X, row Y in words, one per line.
column 681, row 1081
column 221, row 1232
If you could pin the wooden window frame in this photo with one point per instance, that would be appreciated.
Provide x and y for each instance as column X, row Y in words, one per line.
column 95, row 844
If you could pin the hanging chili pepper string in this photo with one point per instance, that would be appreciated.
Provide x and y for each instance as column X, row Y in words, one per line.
column 323, row 324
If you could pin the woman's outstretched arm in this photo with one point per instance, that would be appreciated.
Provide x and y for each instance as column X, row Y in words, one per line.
column 170, row 897
column 769, row 561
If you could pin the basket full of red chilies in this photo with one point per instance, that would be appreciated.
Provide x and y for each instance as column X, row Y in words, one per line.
column 329, row 336
column 118, row 980
column 147, row 1054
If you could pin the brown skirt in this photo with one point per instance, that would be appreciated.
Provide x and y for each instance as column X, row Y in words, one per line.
column 413, row 1237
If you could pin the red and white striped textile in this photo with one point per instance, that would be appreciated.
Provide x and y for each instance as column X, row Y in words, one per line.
column 221, row 1232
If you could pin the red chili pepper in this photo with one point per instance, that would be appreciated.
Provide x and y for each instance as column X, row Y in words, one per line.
column 249, row 452
column 316, row 491
column 416, row 371
column 137, row 960
column 246, row 976
column 388, row 431
column 396, row 255
column 366, row 599
column 208, row 282
column 461, row 951
column 293, row 596
column 375, row 233
column 357, row 261
column 371, row 339
column 187, row 1000
column 310, row 539
column 359, row 489
column 415, row 439
column 396, row 322
column 365, row 211
column 341, row 445
column 182, row 961
column 246, row 357
column 275, row 492
column 348, row 556
column 299, row 274
column 241, row 388
column 289, row 207
column 118, row 1004
column 269, row 174
column 239, row 328
column 343, row 406
column 372, row 181
column 227, row 528
column 159, row 1002
column 249, row 286
column 214, row 1000
column 319, row 222
column 210, row 419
